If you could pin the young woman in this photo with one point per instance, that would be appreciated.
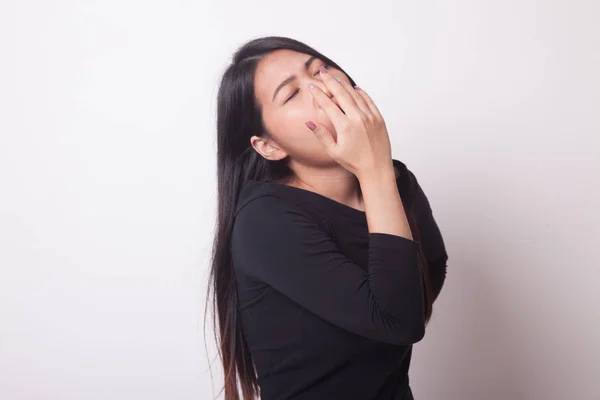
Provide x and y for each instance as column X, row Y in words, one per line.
column 327, row 258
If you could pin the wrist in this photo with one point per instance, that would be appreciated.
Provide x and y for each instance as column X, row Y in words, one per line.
column 380, row 175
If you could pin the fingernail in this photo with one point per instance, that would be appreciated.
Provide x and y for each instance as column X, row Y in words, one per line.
column 311, row 125
column 310, row 86
column 357, row 88
column 323, row 70
column 337, row 78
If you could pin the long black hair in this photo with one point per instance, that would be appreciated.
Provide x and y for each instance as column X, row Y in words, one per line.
column 239, row 117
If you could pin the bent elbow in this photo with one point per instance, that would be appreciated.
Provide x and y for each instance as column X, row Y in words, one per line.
column 412, row 333
column 417, row 333
column 414, row 326
column 407, row 331
column 407, row 336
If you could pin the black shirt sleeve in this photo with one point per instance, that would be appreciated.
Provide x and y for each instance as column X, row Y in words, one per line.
column 430, row 238
column 289, row 249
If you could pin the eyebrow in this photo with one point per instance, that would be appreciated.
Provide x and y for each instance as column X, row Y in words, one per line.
column 291, row 78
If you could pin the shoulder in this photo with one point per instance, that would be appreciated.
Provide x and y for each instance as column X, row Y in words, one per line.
column 267, row 206
column 264, row 197
column 408, row 185
column 267, row 220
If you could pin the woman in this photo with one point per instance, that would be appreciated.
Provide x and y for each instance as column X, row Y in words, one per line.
column 320, row 287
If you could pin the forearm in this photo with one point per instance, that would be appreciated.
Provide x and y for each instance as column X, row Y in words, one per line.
column 383, row 204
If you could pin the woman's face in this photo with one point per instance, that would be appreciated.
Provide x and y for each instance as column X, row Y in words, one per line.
column 285, row 108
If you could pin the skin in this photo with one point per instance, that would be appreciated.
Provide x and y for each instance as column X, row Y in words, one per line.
column 313, row 168
column 348, row 157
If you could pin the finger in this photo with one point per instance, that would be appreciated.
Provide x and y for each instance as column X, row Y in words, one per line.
column 369, row 101
column 334, row 113
column 323, row 133
column 342, row 96
column 358, row 99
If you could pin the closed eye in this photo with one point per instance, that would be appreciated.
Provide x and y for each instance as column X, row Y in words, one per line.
column 293, row 94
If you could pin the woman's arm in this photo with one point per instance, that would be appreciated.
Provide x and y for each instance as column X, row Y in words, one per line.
column 289, row 249
column 383, row 205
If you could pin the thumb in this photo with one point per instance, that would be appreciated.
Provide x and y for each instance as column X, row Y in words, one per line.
column 322, row 133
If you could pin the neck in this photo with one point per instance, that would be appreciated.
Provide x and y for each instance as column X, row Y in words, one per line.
column 334, row 182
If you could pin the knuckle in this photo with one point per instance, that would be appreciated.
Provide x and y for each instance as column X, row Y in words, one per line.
column 362, row 117
column 345, row 126
column 359, row 118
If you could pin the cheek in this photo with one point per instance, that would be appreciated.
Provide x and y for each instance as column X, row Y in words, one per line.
column 287, row 125
column 297, row 140
column 288, row 121
column 306, row 109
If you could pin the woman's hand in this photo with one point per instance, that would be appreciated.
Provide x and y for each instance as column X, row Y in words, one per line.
column 363, row 145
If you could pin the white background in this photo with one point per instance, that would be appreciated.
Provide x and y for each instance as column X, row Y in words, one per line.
column 107, row 185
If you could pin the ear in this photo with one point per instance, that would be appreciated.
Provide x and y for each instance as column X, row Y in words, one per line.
column 268, row 148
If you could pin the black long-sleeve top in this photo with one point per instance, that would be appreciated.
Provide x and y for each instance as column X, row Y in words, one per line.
column 328, row 309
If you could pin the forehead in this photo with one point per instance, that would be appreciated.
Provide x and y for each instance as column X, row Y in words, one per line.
column 273, row 69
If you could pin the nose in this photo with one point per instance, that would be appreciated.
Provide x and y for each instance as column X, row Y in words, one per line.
column 323, row 87
column 325, row 90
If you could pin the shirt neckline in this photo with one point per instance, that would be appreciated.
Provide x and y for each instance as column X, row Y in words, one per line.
column 317, row 195
column 350, row 211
